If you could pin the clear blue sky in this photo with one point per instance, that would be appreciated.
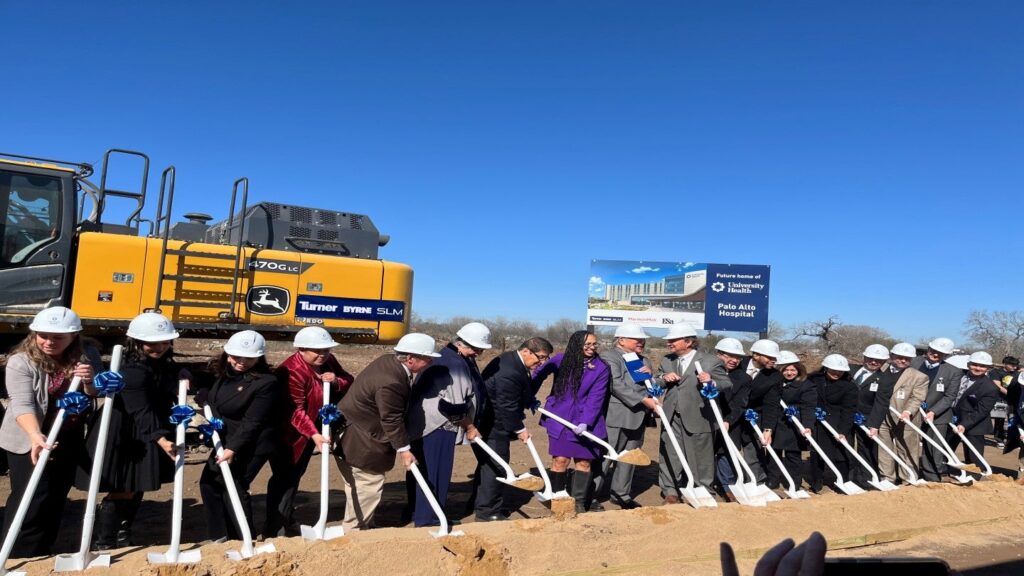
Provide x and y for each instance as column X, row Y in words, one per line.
column 870, row 152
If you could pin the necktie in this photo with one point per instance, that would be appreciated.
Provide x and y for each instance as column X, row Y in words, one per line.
column 862, row 376
column 965, row 382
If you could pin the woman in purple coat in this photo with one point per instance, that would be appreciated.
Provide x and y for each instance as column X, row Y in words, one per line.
column 578, row 395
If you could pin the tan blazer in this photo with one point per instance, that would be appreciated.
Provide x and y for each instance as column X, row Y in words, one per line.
column 908, row 393
column 374, row 409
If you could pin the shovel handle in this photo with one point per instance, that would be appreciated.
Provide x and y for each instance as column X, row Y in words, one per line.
column 510, row 475
column 863, row 462
column 247, row 550
column 814, row 444
column 963, row 438
column 889, row 451
column 675, row 446
column 571, row 426
column 540, row 466
column 778, row 461
column 944, row 447
column 425, row 488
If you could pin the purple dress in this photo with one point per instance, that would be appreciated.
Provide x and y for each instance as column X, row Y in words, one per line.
column 587, row 407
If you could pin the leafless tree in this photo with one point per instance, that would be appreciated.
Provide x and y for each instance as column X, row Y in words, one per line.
column 1001, row 333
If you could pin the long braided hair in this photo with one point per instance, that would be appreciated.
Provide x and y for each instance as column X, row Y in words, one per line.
column 570, row 372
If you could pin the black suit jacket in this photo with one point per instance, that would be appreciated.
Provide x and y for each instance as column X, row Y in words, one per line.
column 874, row 404
column 765, row 393
column 975, row 405
column 734, row 403
column 803, row 395
column 247, row 404
column 839, row 400
column 509, row 392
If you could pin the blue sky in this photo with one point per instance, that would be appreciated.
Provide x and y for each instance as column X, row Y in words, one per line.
column 870, row 152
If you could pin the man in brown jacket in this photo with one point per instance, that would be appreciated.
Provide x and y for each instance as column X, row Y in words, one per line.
column 910, row 390
column 375, row 408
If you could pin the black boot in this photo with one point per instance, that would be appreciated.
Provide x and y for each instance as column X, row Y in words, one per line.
column 106, row 526
column 126, row 511
column 581, row 490
column 557, row 480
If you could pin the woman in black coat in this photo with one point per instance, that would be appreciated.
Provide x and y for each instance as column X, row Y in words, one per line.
column 837, row 397
column 243, row 397
column 788, row 442
column 140, row 450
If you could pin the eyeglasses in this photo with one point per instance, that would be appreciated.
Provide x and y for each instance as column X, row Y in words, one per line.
column 540, row 356
column 590, row 344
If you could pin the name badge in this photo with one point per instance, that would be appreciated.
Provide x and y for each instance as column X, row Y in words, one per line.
column 873, row 387
column 901, row 395
column 940, row 388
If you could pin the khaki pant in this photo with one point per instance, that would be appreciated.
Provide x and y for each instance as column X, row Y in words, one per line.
column 363, row 491
column 905, row 443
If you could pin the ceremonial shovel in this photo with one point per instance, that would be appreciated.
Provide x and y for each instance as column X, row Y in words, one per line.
column 247, row 551
column 792, row 491
column 951, row 458
column 33, row 483
column 914, row 478
column 174, row 555
column 636, row 456
column 429, row 494
column 883, row 485
column 844, row 486
column 988, row 469
column 548, row 493
column 321, row 531
column 524, row 481
column 85, row 559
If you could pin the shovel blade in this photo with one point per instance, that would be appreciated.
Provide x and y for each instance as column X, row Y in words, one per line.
column 439, row 534
column 183, row 557
column 744, row 496
column 849, row 488
column 73, row 562
column 797, row 494
column 325, row 533
column 884, row 486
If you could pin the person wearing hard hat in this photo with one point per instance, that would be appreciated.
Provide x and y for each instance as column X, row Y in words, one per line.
column 510, row 391
column 765, row 390
column 39, row 372
column 577, row 395
column 141, row 448
column 244, row 396
column 441, row 414
column 788, row 440
column 975, row 397
column 874, row 388
column 1004, row 377
column 837, row 396
column 689, row 413
column 375, row 408
column 943, row 379
column 909, row 390
column 629, row 410
column 733, row 403
column 303, row 375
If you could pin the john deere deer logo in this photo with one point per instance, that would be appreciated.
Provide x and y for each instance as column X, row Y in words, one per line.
column 268, row 300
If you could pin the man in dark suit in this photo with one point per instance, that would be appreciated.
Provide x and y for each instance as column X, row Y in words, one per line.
column 733, row 403
column 975, row 397
column 375, row 408
column 943, row 381
column 765, row 394
column 510, row 391
column 691, row 417
column 874, row 388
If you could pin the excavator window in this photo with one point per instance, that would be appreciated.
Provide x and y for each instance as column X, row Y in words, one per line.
column 29, row 215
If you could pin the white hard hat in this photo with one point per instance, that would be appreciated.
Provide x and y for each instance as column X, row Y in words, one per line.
column 314, row 337
column 730, row 346
column 631, row 331
column 836, row 362
column 904, row 349
column 151, row 327
column 246, row 344
column 944, row 345
column 677, row 331
column 876, row 352
column 56, row 320
column 958, row 361
column 476, row 335
column 765, row 348
column 786, row 357
column 418, row 344
column 982, row 358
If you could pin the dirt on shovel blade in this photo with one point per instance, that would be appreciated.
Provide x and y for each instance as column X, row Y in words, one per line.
column 971, row 468
column 529, row 483
column 636, row 457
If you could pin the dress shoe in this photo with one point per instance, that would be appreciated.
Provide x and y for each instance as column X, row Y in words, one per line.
column 671, row 499
column 595, row 506
column 729, row 497
column 492, row 518
column 625, row 503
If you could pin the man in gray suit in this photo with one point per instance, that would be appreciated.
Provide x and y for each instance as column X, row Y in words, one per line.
column 629, row 407
column 691, row 416
column 944, row 381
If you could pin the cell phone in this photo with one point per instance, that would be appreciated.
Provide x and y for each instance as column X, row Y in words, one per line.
column 886, row 566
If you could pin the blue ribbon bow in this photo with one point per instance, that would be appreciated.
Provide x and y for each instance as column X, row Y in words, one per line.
column 181, row 414
column 655, row 391
column 751, row 416
column 74, row 403
column 792, row 411
column 213, row 424
column 329, row 414
column 709, row 391
column 1012, row 421
column 534, row 405
column 924, row 406
column 108, row 383
column 820, row 414
column 956, row 419
column 859, row 419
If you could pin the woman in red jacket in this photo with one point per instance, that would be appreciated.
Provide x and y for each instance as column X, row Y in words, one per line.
column 305, row 371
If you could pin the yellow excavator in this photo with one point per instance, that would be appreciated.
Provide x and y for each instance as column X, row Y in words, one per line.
column 269, row 267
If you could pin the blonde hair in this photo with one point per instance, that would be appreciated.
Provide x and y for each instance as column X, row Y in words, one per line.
column 73, row 354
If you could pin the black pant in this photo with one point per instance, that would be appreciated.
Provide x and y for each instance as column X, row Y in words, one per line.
column 220, row 515
column 821, row 474
column 283, row 485
column 933, row 462
column 489, row 492
column 46, row 509
column 977, row 441
column 868, row 450
column 1000, row 429
column 792, row 461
